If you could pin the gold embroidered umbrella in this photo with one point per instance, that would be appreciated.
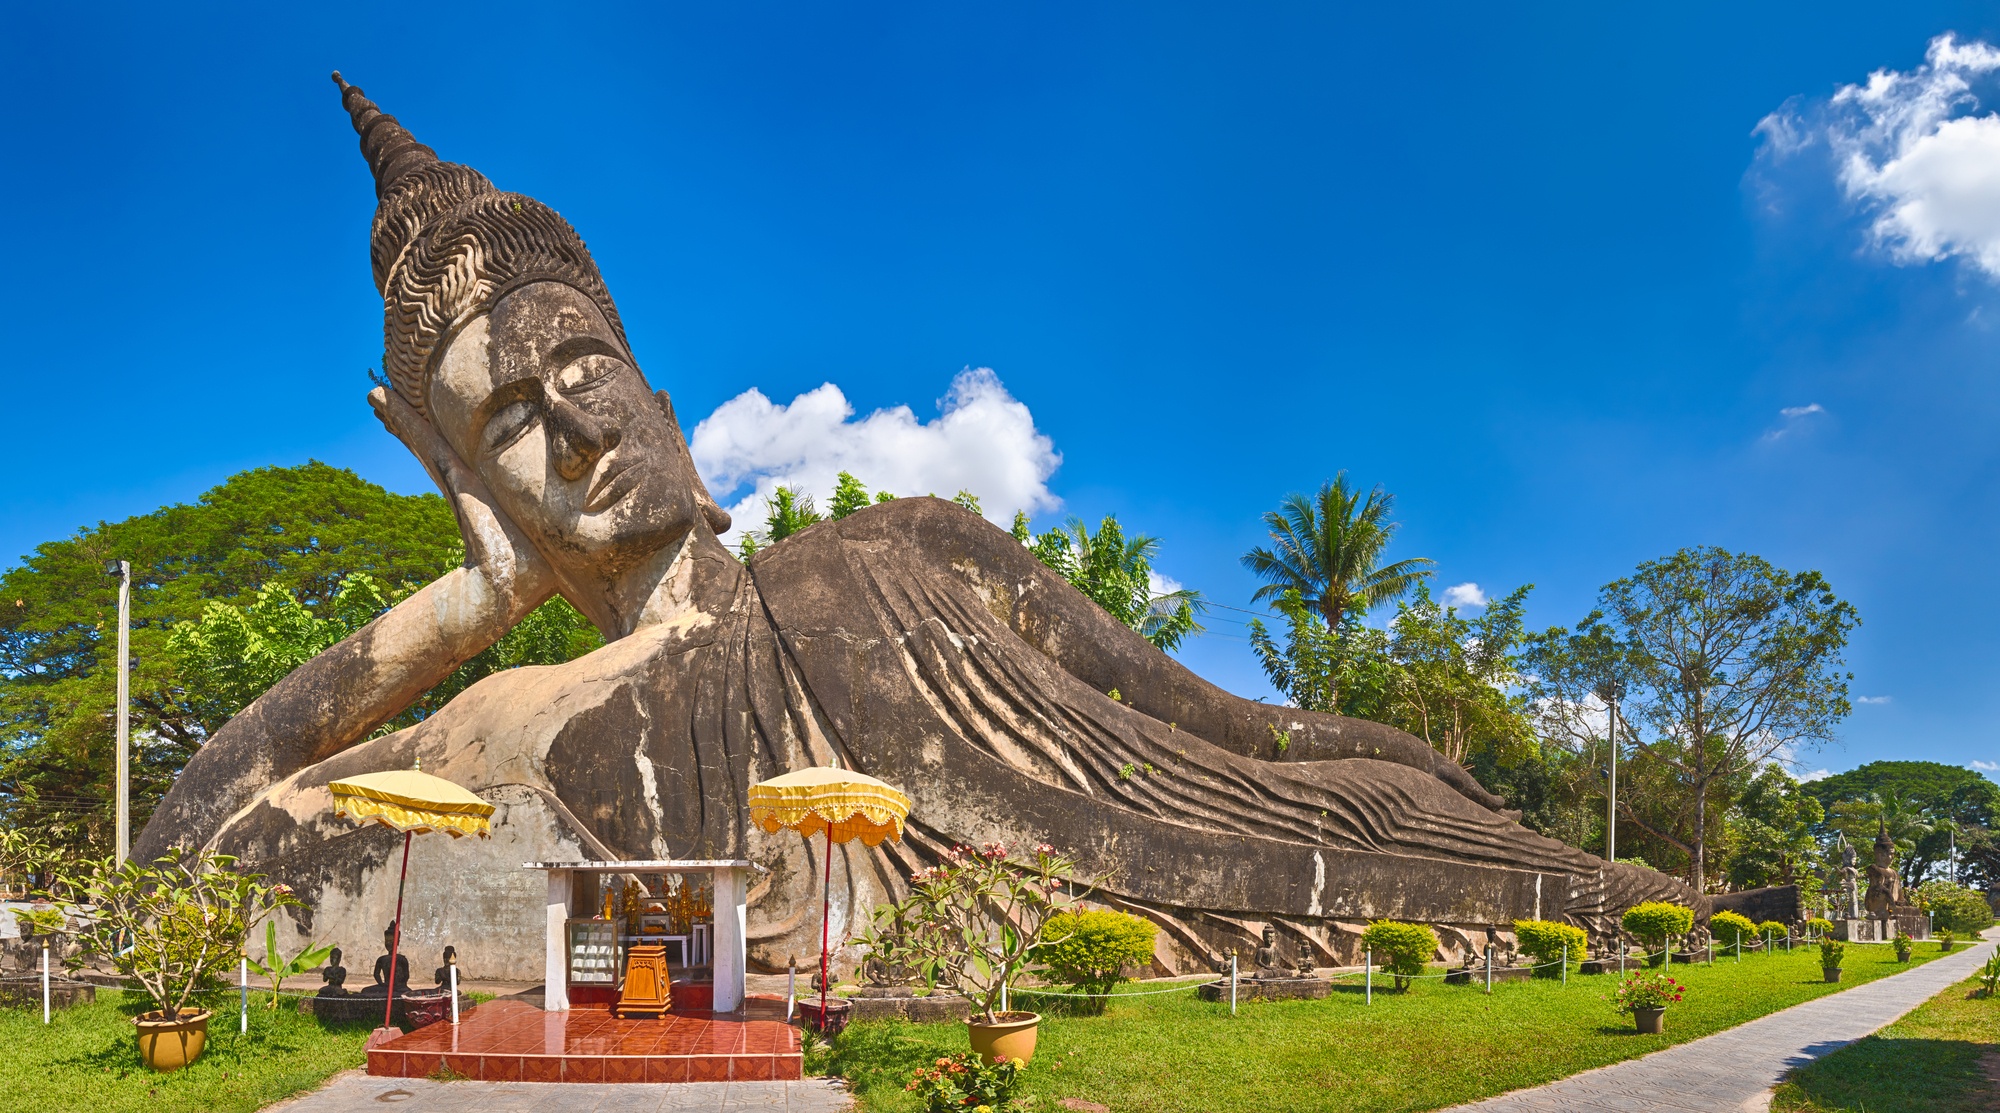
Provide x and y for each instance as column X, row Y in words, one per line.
column 415, row 803
column 844, row 804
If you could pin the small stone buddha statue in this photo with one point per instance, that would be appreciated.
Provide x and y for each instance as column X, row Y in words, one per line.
column 1270, row 962
column 443, row 975
column 382, row 963
column 335, row 976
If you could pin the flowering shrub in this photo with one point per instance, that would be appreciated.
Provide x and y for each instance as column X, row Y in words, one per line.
column 181, row 921
column 1407, row 948
column 1550, row 941
column 1090, row 950
column 976, row 918
column 962, row 1083
column 1731, row 929
column 1830, row 954
column 1655, row 923
column 1646, row 991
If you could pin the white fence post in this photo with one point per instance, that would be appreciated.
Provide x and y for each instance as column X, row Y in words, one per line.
column 243, row 981
column 45, row 979
column 1565, row 962
column 453, row 967
column 1232, row 983
column 1368, row 976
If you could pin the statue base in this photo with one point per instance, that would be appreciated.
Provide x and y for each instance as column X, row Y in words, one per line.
column 1864, row 931
column 1268, row 989
column 1476, row 975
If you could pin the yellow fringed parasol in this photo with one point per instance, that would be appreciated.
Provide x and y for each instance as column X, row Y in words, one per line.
column 844, row 804
column 412, row 802
column 854, row 805
column 415, row 803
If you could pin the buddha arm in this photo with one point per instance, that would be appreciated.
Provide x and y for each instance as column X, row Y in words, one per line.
column 339, row 697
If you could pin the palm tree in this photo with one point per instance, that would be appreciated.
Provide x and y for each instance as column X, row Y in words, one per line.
column 1328, row 547
column 1902, row 817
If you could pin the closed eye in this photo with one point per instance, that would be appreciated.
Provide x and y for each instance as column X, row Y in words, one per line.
column 586, row 371
column 509, row 422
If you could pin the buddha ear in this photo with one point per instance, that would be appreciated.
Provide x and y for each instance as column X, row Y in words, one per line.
column 489, row 534
column 717, row 518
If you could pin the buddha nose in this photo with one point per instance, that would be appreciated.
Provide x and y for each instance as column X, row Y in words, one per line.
column 580, row 440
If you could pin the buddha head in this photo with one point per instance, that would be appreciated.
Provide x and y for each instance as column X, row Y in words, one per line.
column 499, row 334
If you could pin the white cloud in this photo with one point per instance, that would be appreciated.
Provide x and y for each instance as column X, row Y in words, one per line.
column 1913, row 151
column 1873, row 699
column 983, row 440
column 1793, row 417
column 1988, row 766
column 1815, row 775
column 1464, row 595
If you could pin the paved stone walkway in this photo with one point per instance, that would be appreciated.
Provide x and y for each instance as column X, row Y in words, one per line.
column 1736, row 1070
column 355, row 1092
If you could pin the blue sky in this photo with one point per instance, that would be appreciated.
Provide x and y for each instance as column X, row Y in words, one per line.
column 1538, row 272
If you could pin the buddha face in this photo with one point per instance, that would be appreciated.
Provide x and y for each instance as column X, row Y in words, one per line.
column 541, row 398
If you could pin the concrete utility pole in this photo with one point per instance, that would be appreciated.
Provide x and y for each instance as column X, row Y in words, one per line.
column 123, row 570
column 1611, row 798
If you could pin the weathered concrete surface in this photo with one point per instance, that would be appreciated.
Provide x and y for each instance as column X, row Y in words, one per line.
column 912, row 640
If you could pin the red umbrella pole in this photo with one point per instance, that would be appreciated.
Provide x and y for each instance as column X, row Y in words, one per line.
column 396, row 934
column 825, row 900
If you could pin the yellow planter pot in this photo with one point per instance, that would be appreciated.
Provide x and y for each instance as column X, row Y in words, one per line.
column 169, row 1045
column 1012, row 1037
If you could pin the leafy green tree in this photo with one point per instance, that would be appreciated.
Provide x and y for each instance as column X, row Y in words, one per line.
column 1770, row 833
column 968, row 500
column 1452, row 677
column 1318, row 670
column 848, row 496
column 1964, row 806
column 1725, row 660
column 1116, row 573
column 1328, row 548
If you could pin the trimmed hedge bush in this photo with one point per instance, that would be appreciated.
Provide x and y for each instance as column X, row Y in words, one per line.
column 1772, row 933
column 1819, row 925
column 1402, row 949
column 1655, row 922
column 1955, row 908
column 1731, row 929
column 1090, row 950
column 1547, row 939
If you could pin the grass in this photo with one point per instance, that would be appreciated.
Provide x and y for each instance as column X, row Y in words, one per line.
column 1435, row 1046
column 1927, row 1062
column 87, row 1061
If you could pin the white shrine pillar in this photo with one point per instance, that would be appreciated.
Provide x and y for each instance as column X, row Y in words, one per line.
column 555, row 987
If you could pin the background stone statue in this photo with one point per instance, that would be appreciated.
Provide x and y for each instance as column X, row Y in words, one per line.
column 1885, row 885
column 913, row 641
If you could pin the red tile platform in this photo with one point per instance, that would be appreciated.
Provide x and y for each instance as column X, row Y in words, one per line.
column 510, row 1041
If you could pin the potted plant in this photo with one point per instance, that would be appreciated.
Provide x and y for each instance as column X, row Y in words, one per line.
column 1830, row 955
column 1089, row 951
column 1657, row 924
column 975, row 920
column 1646, row 997
column 1405, row 947
column 1945, row 940
column 1551, row 942
column 1902, row 945
column 175, row 927
column 964, row 1081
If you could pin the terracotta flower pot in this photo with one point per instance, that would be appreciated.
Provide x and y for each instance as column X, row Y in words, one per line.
column 1831, row 975
column 1012, row 1036
column 1650, row 1022
column 169, row 1045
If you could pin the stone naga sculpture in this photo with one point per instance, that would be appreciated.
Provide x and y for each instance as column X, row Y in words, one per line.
column 912, row 640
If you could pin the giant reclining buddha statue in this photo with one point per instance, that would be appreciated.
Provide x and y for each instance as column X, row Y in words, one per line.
column 913, row 641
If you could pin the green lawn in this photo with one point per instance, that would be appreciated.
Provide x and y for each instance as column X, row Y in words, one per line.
column 87, row 1061
column 1927, row 1062
column 1435, row 1046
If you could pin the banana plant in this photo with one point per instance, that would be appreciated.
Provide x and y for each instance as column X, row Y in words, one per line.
column 270, row 967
